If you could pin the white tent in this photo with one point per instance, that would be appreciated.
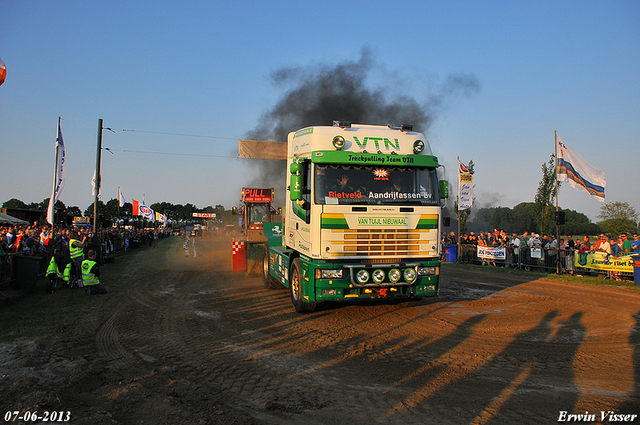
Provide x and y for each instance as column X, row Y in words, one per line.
column 7, row 219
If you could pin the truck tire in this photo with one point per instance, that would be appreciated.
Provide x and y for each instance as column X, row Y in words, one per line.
column 295, row 283
column 269, row 281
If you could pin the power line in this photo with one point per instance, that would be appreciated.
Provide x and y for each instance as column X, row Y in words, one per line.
column 172, row 153
column 178, row 134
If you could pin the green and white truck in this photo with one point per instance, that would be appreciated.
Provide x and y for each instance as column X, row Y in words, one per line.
column 362, row 218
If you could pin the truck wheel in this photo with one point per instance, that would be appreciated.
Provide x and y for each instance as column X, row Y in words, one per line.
column 269, row 281
column 295, row 283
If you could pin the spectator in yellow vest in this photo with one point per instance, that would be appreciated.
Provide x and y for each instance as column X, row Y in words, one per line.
column 76, row 249
column 91, row 274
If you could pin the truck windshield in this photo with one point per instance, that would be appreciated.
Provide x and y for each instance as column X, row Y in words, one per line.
column 349, row 185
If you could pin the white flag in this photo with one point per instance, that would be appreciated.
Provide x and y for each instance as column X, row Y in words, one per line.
column 121, row 200
column 58, row 175
column 93, row 186
column 581, row 175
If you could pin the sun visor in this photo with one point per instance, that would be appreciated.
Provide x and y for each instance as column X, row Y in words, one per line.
column 262, row 149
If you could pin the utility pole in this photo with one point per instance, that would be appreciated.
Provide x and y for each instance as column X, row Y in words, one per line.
column 557, row 222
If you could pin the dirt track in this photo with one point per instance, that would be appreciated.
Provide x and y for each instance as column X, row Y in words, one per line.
column 185, row 340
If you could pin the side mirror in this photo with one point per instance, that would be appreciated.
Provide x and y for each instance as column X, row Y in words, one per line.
column 444, row 189
column 296, row 182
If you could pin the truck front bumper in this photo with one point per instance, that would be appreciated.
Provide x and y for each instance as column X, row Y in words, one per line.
column 335, row 282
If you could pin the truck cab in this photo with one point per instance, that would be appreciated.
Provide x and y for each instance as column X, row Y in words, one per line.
column 362, row 218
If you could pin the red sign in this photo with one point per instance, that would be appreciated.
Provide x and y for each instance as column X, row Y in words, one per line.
column 257, row 195
column 212, row 215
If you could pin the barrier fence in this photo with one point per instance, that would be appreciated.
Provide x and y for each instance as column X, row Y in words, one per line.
column 549, row 260
column 18, row 268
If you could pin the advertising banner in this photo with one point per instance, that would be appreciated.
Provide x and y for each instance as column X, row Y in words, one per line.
column 465, row 187
column 605, row 262
column 488, row 253
column 536, row 252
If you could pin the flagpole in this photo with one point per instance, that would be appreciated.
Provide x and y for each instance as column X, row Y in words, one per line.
column 555, row 145
column 97, row 186
column 51, row 209
column 459, row 235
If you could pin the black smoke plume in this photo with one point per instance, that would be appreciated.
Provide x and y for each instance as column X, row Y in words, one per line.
column 318, row 95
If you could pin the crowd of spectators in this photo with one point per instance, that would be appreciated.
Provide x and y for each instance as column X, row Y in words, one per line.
column 44, row 241
column 612, row 245
column 555, row 252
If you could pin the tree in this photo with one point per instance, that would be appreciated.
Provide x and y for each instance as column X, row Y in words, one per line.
column 578, row 224
column 74, row 211
column 221, row 213
column 89, row 211
column 545, row 197
column 14, row 204
column 168, row 209
column 500, row 218
column 110, row 210
column 126, row 212
column 185, row 212
column 44, row 205
column 524, row 217
column 617, row 218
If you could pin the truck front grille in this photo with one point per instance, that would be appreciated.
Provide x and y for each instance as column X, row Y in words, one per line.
column 380, row 242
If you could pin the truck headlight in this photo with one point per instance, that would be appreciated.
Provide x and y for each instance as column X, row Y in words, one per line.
column 338, row 142
column 378, row 276
column 409, row 275
column 328, row 273
column 394, row 275
column 428, row 271
column 362, row 276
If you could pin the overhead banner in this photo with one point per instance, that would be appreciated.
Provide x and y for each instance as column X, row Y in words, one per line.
column 465, row 187
column 605, row 262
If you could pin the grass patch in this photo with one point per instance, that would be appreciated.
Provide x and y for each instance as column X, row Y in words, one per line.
column 589, row 279
column 498, row 270
column 29, row 316
column 594, row 280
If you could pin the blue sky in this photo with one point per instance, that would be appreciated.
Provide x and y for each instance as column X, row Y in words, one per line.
column 204, row 68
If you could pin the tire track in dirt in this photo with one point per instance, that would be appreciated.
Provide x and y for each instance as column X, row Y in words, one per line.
column 527, row 345
column 108, row 345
